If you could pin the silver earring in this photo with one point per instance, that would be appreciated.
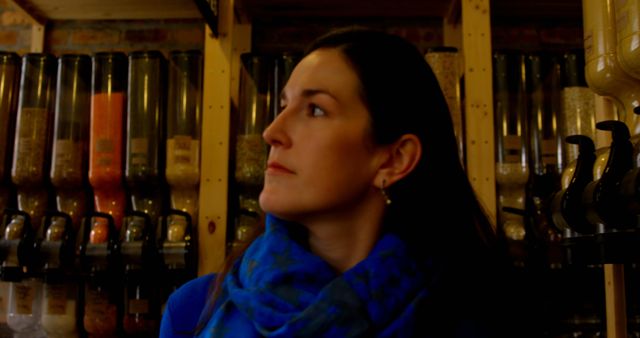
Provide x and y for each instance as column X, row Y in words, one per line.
column 387, row 200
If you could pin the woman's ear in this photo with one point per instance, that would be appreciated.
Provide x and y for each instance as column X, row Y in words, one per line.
column 402, row 157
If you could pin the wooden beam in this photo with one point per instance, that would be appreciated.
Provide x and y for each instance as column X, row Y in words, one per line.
column 212, row 222
column 615, row 301
column 37, row 26
column 241, row 44
column 37, row 38
column 112, row 9
column 479, row 124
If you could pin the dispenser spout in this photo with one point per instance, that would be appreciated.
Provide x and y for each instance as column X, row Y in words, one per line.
column 602, row 198
column 567, row 211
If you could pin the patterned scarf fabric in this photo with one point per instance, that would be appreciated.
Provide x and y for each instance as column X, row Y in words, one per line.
column 280, row 289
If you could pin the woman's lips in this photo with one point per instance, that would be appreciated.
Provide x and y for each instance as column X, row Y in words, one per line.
column 275, row 167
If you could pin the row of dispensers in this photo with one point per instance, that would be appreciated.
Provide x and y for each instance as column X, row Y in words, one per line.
column 122, row 277
column 600, row 219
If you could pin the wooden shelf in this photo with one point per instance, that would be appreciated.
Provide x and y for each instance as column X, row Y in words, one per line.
column 500, row 9
column 109, row 9
column 266, row 9
column 539, row 11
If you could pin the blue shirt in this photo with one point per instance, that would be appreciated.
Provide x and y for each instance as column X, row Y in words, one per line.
column 184, row 307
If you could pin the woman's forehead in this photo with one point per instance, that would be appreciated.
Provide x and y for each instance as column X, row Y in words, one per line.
column 323, row 69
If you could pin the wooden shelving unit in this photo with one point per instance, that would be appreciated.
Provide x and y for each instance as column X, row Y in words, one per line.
column 466, row 25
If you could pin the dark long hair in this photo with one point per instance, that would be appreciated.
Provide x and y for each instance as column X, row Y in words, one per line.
column 434, row 210
column 403, row 96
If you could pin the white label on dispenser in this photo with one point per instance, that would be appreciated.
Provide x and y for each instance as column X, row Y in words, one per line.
column 588, row 44
column 182, row 150
column 139, row 151
column 549, row 152
column 31, row 139
column 512, row 148
column 104, row 152
column 56, row 299
column 138, row 306
column 24, row 298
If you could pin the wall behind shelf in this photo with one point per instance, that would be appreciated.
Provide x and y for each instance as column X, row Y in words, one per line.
column 94, row 36
column 293, row 34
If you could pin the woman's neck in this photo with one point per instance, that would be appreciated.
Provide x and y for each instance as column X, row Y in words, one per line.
column 344, row 241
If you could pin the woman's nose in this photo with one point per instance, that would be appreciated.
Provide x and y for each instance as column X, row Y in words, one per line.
column 276, row 133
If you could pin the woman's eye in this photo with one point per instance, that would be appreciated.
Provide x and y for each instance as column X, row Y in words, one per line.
column 317, row 111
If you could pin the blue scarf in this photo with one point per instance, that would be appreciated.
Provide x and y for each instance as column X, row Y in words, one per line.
column 280, row 289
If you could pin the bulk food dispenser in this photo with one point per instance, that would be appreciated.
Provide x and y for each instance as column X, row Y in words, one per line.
column 544, row 103
column 69, row 158
column 141, row 308
column 9, row 77
column 144, row 166
column 184, row 116
column 60, row 275
column 31, row 144
column 251, row 150
column 108, row 90
column 99, row 260
column 144, row 174
column 18, row 269
column 176, row 232
column 604, row 74
column 512, row 163
column 578, row 110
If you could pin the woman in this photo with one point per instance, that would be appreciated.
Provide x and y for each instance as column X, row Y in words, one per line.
column 351, row 245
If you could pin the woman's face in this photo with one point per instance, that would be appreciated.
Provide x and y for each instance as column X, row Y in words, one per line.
column 322, row 160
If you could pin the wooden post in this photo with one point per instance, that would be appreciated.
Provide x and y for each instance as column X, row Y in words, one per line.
column 476, row 40
column 216, row 104
column 615, row 301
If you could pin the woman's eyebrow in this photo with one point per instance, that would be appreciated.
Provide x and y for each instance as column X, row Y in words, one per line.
column 306, row 93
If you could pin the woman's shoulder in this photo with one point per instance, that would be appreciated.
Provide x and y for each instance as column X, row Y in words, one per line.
column 194, row 288
column 185, row 305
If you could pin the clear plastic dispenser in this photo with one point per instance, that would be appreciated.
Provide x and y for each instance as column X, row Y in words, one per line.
column 603, row 72
column 70, row 157
column 145, row 159
column 184, row 116
column 108, row 92
column 9, row 80
column 32, row 145
column 512, row 163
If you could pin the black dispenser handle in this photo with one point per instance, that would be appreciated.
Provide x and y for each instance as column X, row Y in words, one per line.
column 567, row 210
column 602, row 198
